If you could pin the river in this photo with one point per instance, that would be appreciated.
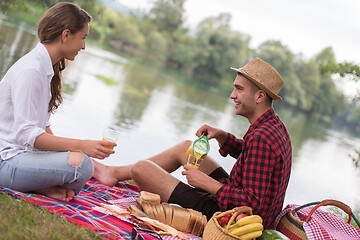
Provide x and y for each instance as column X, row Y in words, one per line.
column 155, row 107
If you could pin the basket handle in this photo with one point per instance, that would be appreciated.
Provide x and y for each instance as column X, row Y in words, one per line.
column 328, row 202
column 335, row 203
column 236, row 211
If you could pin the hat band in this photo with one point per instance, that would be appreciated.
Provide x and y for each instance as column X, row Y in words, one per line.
column 250, row 75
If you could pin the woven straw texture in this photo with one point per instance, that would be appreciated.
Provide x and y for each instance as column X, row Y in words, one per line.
column 213, row 230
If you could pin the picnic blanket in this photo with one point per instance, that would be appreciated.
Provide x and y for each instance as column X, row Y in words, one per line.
column 85, row 209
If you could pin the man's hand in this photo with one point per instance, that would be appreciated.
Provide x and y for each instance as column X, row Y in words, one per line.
column 199, row 179
column 219, row 134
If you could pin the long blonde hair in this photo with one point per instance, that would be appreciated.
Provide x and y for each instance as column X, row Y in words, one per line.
column 61, row 16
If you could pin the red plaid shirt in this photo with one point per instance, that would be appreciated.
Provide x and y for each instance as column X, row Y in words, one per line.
column 261, row 173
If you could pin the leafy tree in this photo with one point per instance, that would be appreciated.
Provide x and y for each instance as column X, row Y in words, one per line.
column 125, row 30
column 168, row 15
column 181, row 50
column 329, row 100
column 309, row 76
column 281, row 58
column 347, row 68
column 22, row 4
column 156, row 42
column 219, row 46
column 118, row 27
column 349, row 117
column 329, row 65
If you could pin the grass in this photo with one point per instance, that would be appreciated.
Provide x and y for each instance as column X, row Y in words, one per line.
column 22, row 220
column 345, row 216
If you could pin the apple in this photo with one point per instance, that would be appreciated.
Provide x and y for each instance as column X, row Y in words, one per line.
column 241, row 215
column 224, row 219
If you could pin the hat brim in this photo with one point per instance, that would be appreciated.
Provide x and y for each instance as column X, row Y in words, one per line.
column 272, row 95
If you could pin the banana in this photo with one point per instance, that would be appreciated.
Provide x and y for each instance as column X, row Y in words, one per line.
column 248, row 228
column 247, row 220
column 252, row 235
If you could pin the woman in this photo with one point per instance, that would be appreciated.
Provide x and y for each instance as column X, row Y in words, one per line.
column 32, row 159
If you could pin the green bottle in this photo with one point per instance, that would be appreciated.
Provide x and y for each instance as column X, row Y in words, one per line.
column 201, row 146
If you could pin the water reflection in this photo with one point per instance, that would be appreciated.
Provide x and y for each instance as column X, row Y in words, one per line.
column 155, row 107
column 14, row 43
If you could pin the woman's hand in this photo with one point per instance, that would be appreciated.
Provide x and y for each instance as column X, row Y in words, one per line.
column 219, row 134
column 93, row 148
column 97, row 148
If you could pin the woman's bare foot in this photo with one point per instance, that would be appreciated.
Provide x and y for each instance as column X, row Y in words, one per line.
column 69, row 195
column 57, row 193
column 110, row 175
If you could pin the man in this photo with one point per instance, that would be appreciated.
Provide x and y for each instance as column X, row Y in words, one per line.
column 261, row 173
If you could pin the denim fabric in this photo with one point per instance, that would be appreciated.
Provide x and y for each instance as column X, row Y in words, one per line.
column 31, row 171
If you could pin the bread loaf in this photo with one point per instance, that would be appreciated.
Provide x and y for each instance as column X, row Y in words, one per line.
column 197, row 227
column 182, row 219
column 149, row 197
column 168, row 212
column 160, row 215
column 147, row 207
column 136, row 211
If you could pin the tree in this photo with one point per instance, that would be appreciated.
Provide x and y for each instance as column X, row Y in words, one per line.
column 22, row 4
column 281, row 58
column 309, row 76
column 181, row 50
column 329, row 65
column 156, row 42
column 168, row 15
column 117, row 27
column 127, row 31
column 329, row 100
column 219, row 46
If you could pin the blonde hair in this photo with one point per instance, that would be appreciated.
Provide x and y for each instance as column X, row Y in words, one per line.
column 61, row 16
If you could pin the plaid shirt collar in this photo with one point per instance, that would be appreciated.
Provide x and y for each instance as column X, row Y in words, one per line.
column 263, row 118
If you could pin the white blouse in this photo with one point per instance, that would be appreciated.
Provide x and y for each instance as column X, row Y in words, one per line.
column 25, row 94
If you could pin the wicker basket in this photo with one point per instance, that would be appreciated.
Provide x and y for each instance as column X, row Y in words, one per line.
column 213, row 230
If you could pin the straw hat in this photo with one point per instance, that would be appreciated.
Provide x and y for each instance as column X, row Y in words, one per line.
column 264, row 76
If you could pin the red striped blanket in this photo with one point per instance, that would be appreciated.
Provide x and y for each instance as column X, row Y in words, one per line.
column 85, row 209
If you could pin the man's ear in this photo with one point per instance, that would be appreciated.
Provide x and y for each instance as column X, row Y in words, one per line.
column 260, row 96
column 65, row 34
